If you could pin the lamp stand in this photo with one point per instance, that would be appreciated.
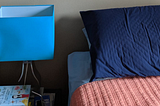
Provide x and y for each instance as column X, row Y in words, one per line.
column 26, row 63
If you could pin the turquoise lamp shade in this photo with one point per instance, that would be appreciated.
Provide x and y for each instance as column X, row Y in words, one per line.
column 27, row 33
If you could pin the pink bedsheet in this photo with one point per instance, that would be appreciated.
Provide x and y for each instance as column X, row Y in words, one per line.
column 136, row 91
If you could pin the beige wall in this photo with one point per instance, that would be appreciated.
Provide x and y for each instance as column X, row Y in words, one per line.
column 69, row 38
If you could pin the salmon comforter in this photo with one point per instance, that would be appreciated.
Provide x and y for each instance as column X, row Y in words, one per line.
column 137, row 91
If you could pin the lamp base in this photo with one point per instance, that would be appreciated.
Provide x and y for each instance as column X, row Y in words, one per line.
column 26, row 63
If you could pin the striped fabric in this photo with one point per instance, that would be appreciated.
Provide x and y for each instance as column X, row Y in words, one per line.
column 136, row 91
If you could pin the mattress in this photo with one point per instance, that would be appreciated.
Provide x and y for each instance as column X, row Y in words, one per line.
column 135, row 91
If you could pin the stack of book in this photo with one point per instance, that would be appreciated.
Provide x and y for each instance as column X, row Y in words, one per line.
column 48, row 99
column 17, row 95
column 42, row 98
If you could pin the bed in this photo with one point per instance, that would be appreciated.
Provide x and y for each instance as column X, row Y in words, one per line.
column 122, row 67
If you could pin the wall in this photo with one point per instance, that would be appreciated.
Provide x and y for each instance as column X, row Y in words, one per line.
column 69, row 38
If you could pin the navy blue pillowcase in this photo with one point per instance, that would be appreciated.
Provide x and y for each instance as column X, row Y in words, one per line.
column 124, row 41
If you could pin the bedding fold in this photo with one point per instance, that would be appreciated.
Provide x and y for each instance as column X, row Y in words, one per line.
column 137, row 91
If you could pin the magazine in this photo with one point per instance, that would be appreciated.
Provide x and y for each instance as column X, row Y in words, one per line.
column 17, row 95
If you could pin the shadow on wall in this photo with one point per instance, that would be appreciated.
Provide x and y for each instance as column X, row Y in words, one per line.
column 69, row 38
column 69, row 34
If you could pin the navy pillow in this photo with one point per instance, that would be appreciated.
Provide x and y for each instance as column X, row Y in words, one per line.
column 124, row 41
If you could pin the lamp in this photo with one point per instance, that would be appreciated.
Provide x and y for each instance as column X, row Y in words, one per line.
column 26, row 34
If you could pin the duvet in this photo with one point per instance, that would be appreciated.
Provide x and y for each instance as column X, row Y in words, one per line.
column 135, row 91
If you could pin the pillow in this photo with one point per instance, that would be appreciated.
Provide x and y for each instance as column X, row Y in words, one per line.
column 86, row 35
column 79, row 70
column 124, row 41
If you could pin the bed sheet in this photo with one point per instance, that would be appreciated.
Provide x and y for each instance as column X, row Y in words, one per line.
column 79, row 70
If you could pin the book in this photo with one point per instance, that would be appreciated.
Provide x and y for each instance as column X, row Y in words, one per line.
column 52, row 98
column 48, row 99
column 38, row 100
column 17, row 95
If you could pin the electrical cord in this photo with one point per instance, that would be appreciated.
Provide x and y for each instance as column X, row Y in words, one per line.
column 42, row 100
